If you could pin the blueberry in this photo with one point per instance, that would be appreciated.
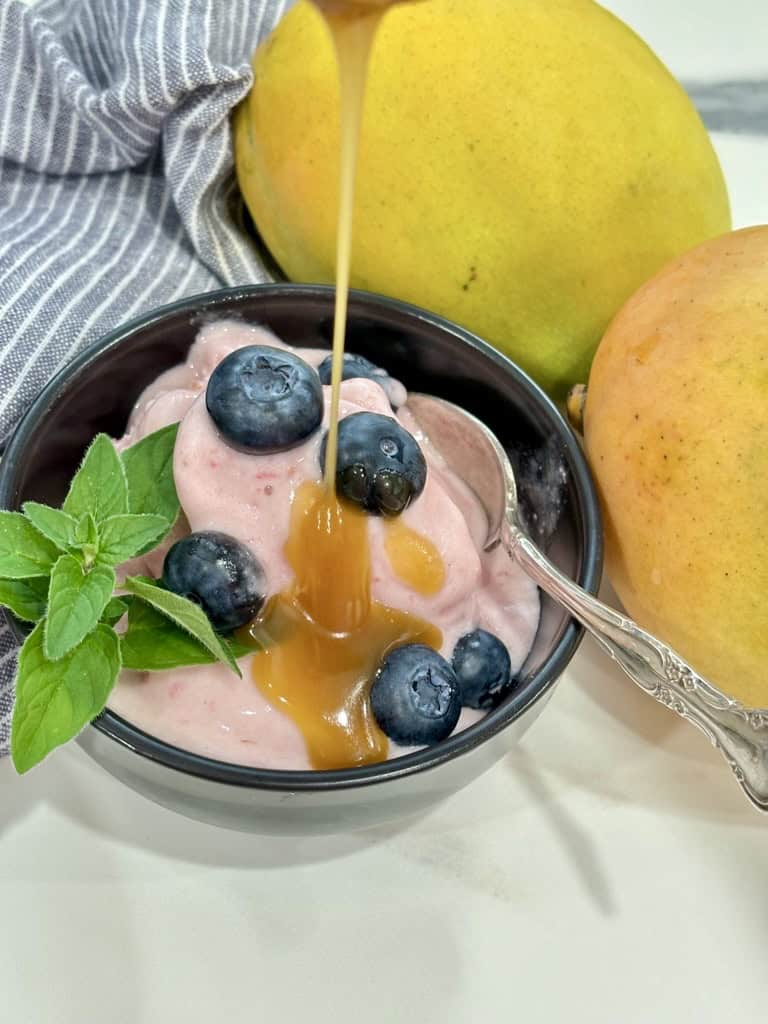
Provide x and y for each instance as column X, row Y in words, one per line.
column 358, row 366
column 483, row 669
column 264, row 399
column 415, row 696
column 380, row 465
column 220, row 574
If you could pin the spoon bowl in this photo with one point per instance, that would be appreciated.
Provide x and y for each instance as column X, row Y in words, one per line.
column 472, row 451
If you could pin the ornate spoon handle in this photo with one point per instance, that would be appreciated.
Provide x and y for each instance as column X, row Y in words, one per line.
column 738, row 732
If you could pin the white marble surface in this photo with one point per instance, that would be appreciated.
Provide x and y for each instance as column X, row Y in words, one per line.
column 608, row 871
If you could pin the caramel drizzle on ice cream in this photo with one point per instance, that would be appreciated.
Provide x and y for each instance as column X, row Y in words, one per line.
column 322, row 638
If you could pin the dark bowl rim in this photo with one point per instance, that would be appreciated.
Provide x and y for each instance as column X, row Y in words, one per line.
column 122, row 732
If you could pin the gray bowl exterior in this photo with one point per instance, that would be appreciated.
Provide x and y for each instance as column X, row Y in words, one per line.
column 299, row 811
column 96, row 393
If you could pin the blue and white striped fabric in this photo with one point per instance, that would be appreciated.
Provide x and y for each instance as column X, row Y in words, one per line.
column 117, row 191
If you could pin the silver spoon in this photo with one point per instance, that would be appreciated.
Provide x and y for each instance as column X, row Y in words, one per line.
column 472, row 451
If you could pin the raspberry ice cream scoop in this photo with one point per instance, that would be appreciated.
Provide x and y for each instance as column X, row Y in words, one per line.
column 424, row 567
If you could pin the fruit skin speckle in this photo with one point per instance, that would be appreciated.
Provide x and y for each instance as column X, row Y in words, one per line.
column 219, row 573
column 483, row 669
column 415, row 696
column 380, row 465
column 264, row 400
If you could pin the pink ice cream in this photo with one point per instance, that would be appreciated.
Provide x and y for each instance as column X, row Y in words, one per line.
column 207, row 709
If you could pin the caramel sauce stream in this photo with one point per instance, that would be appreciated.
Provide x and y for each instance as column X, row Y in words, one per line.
column 353, row 34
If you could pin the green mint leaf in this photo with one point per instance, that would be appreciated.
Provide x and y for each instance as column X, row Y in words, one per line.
column 149, row 471
column 184, row 613
column 56, row 525
column 115, row 610
column 76, row 600
column 86, row 531
column 55, row 700
column 27, row 599
column 153, row 643
column 99, row 486
column 122, row 537
column 24, row 551
column 87, row 541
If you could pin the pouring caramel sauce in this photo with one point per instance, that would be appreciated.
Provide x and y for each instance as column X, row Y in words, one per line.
column 319, row 641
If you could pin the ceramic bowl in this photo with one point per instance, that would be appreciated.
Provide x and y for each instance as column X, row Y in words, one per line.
column 95, row 392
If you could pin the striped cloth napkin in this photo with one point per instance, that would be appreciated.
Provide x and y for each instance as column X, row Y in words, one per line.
column 117, row 191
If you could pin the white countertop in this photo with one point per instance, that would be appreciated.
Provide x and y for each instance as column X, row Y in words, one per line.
column 608, row 871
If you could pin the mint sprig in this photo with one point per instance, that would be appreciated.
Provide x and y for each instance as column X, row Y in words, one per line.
column 77, row 598
column 149, row 475
column 56, row 699
column 57, row 570
column 53, row 523
column 99, row 487
column 116, row 608
column 24, row 551
column 87, row 537
column 186, row 614
column 27, row 599
column 122, row 537
column 153, row 642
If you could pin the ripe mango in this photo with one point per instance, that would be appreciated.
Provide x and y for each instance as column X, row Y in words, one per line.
column 524, row 167
column 676, row 432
